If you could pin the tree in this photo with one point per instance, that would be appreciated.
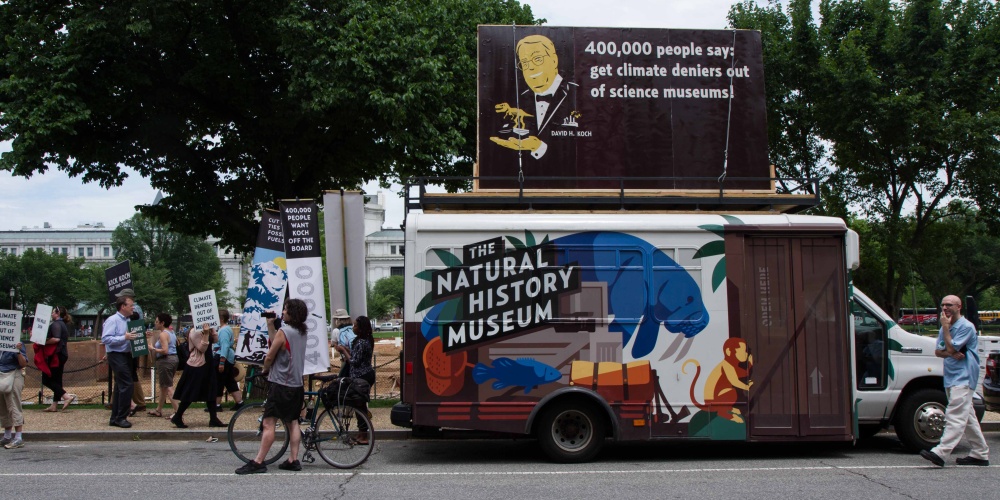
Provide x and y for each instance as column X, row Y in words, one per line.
column 905, row 93
column 392, row 288
column 189, row 264
column 40, row 278
column 968, row 265
column 379, row 305
column 229, row 106
column 153, row 293
column 790, row 50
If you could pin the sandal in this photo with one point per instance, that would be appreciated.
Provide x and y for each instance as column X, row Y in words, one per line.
column 154, row 413
column 68, row 401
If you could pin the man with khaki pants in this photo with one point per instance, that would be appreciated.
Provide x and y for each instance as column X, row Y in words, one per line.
column 957, row 343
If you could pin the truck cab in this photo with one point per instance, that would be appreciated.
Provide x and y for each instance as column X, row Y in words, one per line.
column 898, row 379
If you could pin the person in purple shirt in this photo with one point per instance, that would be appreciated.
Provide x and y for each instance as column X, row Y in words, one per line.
column 116, row 339
column 956, row 343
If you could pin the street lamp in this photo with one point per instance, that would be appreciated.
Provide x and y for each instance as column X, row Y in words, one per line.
column 12, row 298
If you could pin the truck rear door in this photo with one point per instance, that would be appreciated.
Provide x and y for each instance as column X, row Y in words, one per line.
column 789, row 289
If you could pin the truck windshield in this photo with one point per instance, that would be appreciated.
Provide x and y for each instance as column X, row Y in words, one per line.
column 869, row 345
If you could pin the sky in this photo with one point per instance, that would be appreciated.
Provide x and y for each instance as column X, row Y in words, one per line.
column 65, row 202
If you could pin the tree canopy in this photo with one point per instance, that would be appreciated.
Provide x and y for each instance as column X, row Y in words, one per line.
column 905, row 94
column 229, row 106
column 188, row 264
column 391, row 287
column 39, row 277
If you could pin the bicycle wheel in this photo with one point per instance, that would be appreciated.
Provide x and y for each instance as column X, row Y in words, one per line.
column 337, row 433
column 245, row 429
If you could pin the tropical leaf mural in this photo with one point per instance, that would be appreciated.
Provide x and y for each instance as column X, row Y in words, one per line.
column 716, row 247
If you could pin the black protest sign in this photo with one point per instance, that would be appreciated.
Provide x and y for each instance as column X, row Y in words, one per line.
column 119, row 279
column 139, row 346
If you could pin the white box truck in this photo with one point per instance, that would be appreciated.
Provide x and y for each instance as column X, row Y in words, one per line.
column 582, row 327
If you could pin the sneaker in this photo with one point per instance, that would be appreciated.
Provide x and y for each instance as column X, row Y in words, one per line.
column 933, row 457
column 286, row 465
column 982, row 462
column 16, row 443
column 252, row 467
column 6, row 441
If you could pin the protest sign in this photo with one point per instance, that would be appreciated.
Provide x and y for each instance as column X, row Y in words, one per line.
column 139, row 345
column 10, row 329
column 40, row 329
column 300, row 224
column 119, row 280
column 266, row 290
column 204, row 309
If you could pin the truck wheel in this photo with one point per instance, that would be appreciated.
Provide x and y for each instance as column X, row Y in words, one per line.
column 571, row 432
column 920, row 421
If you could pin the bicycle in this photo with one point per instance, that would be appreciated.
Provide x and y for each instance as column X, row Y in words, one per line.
column 333, row 432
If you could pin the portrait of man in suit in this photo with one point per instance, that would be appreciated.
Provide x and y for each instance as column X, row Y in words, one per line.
column 548, row 103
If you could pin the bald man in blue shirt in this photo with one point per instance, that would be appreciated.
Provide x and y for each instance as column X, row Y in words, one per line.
column 956, row 343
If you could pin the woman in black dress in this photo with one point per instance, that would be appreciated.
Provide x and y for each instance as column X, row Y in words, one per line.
column 197, row 382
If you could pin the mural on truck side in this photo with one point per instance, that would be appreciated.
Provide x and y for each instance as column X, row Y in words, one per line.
column 511, row 320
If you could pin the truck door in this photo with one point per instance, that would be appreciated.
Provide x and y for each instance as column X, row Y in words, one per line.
column 792, row 311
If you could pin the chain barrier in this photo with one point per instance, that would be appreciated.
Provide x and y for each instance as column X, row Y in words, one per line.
column 94, row 389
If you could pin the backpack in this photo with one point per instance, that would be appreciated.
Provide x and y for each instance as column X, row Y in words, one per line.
column 183, row 353
column 345, row 389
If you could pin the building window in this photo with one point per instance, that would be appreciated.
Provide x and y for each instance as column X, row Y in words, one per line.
column 5, row 251
column 90, row 251
column 396, row 271
column 79, row 252
column 65, row 250
column 107, row 251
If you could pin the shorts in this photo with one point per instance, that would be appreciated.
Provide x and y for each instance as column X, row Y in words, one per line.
column 227, row 379
column 166, row 368
column 284, row 403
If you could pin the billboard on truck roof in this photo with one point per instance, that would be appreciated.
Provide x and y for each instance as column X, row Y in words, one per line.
column 660, row 104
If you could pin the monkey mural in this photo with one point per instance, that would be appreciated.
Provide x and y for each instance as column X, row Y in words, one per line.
column 723, row 380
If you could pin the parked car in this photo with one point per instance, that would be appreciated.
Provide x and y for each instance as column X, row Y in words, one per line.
column 386, row 327
column 991, row 382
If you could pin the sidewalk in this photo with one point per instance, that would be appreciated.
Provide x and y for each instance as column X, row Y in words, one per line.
column 92, row 425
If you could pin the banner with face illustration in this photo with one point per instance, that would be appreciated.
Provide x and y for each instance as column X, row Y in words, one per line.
column 266, row 290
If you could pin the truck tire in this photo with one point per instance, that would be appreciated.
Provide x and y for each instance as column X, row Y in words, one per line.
column 571, row 431
column 920, row 420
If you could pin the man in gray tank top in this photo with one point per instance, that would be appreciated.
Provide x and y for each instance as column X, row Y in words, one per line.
column 284, row 365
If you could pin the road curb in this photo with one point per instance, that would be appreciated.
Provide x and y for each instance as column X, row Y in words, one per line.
column 204, row 435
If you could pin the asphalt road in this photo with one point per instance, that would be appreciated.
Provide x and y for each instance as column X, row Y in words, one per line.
column 460, row 469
